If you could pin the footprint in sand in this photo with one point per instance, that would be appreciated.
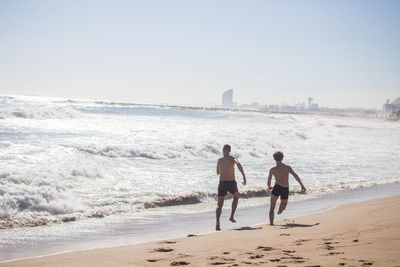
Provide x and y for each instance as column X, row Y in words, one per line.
column 184, row 255
column 328, row 247
column 221, row 260
column 300, row 242
column 258, row 256
column 289, row 251
column 297, row 258
column 292, row 258
column 226, row 252
column 330, row 243
column 167, row 242
column 163, row 250
column 284, row 234
column 179, row 263
column 264, row 248
column 365, row 263
column 335, row 253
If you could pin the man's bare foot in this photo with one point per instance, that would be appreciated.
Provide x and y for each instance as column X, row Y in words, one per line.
column 232, row 219
column 217, row 228
column 281, row 209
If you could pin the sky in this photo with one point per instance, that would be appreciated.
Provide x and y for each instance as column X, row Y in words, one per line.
column 343, row 53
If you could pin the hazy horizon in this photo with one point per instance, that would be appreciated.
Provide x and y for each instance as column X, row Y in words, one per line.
column 341, row 53
column 237, row 105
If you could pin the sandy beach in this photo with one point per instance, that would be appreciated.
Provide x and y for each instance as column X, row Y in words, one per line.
column 361, row 234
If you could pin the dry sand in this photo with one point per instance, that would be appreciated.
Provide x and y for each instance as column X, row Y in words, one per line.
column 361, row 234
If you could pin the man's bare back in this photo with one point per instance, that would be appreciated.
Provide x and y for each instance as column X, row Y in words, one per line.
column 281, row 174
column 226, row 168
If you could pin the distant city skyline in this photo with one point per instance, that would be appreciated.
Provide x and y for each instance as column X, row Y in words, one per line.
column 342, row 53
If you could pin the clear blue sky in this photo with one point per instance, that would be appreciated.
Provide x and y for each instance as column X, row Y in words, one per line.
column 343, row 52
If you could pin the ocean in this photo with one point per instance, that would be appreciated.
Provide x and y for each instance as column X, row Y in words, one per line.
column 65, row 164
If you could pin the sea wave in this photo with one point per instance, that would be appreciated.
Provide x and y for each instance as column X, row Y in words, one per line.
column 39, row 112
column 116, row 152
column 199, row 197
column 150, row 151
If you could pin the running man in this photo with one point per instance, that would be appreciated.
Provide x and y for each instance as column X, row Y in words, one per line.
column 227, row 183
column 281, row 187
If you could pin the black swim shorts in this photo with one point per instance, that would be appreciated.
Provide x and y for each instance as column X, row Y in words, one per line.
column 280, row 191
column 227, row 186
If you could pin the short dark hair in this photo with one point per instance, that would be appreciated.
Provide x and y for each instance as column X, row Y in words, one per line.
column 278, row 156
column 227, row 148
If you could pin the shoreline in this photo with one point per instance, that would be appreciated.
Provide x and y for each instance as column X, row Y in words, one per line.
column 199, row 224
column 342, row 235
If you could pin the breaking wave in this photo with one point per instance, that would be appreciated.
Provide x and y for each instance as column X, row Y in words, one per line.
column 151, row 151
column 39, row 112
column 200, row 197
column 116, row 152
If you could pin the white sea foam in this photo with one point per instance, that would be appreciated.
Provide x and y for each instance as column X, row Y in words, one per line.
column 38, row 112
column 63, row 161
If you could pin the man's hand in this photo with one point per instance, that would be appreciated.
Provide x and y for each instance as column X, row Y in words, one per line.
column 244, row 181
column 270, row 188
column 303, row 189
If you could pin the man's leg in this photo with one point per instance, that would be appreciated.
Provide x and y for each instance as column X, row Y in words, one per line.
column 219, row 210
column 272, row 208
column 282, row 206
column 235, row 201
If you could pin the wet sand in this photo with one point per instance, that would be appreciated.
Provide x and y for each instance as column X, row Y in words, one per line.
column 361, row 234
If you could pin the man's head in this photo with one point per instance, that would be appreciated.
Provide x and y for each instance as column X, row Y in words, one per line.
column 278, row 156
column 226, row 150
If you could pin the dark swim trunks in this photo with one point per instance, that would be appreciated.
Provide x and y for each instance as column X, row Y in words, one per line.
column 227, row 186
column 280, row 191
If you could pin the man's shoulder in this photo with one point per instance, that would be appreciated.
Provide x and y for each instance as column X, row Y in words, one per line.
column 228, row 158
column 233, row 159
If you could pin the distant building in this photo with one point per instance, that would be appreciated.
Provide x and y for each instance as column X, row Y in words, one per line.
column 393, row 107
column 227, row 98
column 309, row 103
column 300, row 106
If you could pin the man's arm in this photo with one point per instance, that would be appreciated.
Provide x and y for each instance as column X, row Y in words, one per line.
column 241, row 171
column 270, row 179
column 291, row 171
column 218, row 166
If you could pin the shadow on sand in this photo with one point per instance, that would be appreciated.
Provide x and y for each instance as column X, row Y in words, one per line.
column 293, row 225
column 246, row 228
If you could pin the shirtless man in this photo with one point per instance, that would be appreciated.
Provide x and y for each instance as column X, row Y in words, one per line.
column 281, row 187
column 226, row 172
